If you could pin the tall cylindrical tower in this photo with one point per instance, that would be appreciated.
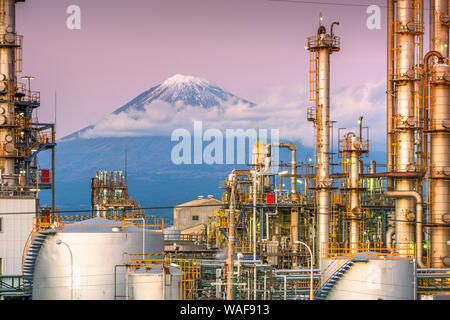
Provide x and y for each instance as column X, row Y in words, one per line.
column 439, row 128
column 8, row 45
column 405, row 124
column 439, row 13
column 322, row 46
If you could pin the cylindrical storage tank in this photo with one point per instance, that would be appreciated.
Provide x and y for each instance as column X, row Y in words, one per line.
column 154, row 284
column 89, row 264
column 375, row 279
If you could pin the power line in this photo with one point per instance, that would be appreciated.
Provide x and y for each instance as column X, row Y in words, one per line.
column 341, row 4
column 326, row 3
column 215, row 205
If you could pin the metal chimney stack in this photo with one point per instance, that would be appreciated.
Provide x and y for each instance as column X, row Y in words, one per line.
column 321, row 46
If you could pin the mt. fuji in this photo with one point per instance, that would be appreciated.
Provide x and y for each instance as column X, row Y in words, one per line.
column 162, row 108
column 189, row 90
column 142, row 128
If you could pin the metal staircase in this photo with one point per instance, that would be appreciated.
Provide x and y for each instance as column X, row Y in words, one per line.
column 332, row 280
column 30, row 260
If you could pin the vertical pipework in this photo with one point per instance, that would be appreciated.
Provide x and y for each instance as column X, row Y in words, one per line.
column 294, row 234
column 324, row 44
column 231, row 231
column 390, row 89
column 405, row 124
column 8, row 79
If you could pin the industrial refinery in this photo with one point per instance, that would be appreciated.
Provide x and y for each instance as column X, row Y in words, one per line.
column 338, row 226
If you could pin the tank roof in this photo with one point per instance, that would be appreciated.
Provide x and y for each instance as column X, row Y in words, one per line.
column 98, row 224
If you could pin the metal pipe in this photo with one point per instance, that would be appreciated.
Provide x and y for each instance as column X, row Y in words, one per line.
column 311, row 281
column 419, row 220
column 231, row 224
column 352, row 151
column 59, row 242
column 405, row 125
column 390, row 89
column 294, row 212
column 440, row 164
column 427, row 64
column 324, row 45
column 8, row 154
column 389, row 233
column 254, row 215
column 439, row 37
column 293, row 148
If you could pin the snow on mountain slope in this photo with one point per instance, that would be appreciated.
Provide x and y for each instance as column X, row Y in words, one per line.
column 164, row 107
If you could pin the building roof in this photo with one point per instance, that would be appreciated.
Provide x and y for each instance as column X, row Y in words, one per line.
column 201, row 202
column 198, row 228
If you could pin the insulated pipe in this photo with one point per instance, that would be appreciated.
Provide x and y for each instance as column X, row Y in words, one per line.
column 231, row 228
column 389, row 233
column 390, row 89
column 419, row 220
column 427, row 64
column 294, row 234
column 293, row 148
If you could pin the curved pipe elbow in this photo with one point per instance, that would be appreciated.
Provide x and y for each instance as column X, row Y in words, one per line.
column 419, row 219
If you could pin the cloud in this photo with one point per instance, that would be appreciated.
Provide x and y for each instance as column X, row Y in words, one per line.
column 283, row 108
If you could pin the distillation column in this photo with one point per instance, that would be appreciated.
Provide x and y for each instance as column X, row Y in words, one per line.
column 322, row 46
column 439, row 24
column 8, row 152
column 439, row 129
column 354, row 147
column 440, row 165
column 404, row 120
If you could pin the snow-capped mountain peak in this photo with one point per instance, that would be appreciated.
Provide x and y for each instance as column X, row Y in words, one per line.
column 178, row 93
column 180, row 80
column 187, row 90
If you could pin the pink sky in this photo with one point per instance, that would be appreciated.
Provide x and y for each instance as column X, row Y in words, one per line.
column 126, row 47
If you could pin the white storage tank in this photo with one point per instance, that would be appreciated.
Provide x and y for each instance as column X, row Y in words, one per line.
column 375, row 279
column 85, row 260
column 155, row 284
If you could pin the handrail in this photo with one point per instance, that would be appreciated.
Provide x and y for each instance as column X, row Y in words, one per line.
column 27, row 246
column 366, row 251
column 58, row 223
column 329, row 272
